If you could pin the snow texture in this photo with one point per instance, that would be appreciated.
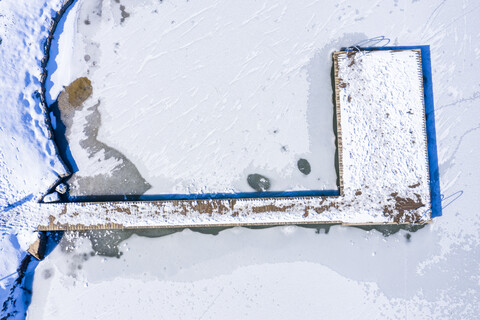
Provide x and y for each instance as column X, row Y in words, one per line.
column 28, row 158
column 385, row 172
column 383, row 128
column 29, row 164
column 279, row 272
column 199, row 99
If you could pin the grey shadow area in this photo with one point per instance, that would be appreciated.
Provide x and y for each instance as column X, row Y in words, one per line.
column 386, row 230
column 107, row 242
column 124, row 182
column 389, row 229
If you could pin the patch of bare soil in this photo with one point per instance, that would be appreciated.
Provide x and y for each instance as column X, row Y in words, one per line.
column 404, row 207
column 79, row 91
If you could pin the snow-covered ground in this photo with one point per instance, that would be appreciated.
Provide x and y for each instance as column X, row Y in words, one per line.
column 29, row 165
column 278, row 272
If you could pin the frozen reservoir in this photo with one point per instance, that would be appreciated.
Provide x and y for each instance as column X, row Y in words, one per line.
column 196, row 97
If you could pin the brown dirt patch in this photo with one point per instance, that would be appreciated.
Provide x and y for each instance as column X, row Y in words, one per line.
column 79, row 91
column 271, row 208
column 404, row 207
column 351, row 54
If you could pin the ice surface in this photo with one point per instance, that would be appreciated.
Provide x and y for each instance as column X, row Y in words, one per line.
column 200, row 95
column 384, row 158
column 430, row 273
column 275, row 273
